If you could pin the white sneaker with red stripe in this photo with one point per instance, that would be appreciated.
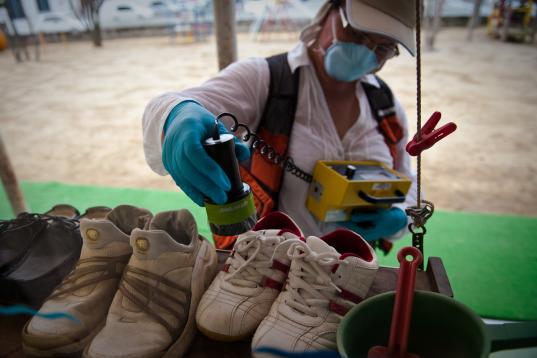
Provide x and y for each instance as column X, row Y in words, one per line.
column 254, row 274
column 328, row 277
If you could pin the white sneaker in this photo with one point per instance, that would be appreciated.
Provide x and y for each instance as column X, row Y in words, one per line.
column 254, row 274
column 328, row 277
column 86, row 293
column 153, row 312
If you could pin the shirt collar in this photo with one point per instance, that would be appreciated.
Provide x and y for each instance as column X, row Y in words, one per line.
column 298, row 57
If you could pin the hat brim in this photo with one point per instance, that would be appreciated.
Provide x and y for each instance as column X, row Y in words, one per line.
column 368, row 19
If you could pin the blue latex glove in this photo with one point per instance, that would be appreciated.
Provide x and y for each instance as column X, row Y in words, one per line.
column 377, row 225
column 184, row 157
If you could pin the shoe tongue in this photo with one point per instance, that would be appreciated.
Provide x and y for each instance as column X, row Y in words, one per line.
column 319, row 246
column 180, row 225
column 271, row 232
column 278, row 220
column 127, row 217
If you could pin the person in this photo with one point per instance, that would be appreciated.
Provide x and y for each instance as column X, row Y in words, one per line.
column 337, row 58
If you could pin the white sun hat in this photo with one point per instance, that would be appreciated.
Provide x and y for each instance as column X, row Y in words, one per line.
column 395, row 19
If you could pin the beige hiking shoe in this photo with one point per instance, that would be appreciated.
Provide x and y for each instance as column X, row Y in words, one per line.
column 152, row 314
column 86, row 293
column 328, row 277
column 254, row 274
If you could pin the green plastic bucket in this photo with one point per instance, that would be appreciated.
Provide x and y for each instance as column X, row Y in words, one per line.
column 441, row 327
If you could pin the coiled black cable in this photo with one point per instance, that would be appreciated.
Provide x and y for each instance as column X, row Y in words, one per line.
column 267, row 152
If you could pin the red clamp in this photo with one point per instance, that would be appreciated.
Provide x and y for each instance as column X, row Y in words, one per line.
column 429, row 135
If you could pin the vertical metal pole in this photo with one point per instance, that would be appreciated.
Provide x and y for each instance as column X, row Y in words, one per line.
column 226, row 34
column 474, row 21
column 534, row 30
column 10, row 182
column 435, row 23
column 508, row 11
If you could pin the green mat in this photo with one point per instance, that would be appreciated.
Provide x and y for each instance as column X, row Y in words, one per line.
column 40, row 197
column 491, row 260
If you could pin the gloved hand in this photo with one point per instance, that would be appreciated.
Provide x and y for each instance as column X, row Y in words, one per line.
column 377, row 225
column 184, row 157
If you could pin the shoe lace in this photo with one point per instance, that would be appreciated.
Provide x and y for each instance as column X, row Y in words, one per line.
column 82, row 275
column 309, row 284
column 251, row 259
column 143, row 287
column 25, row 218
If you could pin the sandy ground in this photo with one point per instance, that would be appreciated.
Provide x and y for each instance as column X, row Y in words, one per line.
column 75, row 116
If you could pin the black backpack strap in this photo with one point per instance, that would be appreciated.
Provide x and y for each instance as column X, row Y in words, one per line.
column 279, row 113
column 383, row 107
column 380, row 99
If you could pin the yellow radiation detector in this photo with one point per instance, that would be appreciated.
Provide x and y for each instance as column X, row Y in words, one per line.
column 338, row 187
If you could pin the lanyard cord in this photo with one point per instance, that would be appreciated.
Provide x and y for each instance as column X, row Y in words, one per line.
column 418, row 96
column 267, row 151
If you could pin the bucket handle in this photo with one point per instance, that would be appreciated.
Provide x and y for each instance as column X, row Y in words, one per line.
column 512, row 335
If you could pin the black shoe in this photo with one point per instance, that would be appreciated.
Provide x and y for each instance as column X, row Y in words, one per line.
column 16, row 237
column 39, row 251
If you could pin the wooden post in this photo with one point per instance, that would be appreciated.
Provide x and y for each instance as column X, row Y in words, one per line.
column 226, row 35
column 474, row 21
column 42, row 39
column 10, row 182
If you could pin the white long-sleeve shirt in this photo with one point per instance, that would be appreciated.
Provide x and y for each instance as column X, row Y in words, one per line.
column 242, row 89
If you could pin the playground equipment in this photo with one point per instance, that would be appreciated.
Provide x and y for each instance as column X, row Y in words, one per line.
column 3, row 41
column 283, row 16
column 513, row 20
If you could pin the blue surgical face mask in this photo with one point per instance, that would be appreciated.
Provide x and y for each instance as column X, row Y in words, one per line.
column 347, row 61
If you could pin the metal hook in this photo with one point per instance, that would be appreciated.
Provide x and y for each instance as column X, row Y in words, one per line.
column 420, row 214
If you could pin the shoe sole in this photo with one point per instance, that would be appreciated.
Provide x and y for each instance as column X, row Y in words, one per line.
column 206, row 267
column 222, row 337
column 35, row 291
column 73, row 349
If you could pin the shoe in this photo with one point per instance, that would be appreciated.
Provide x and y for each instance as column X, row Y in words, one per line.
column 87, row 291
column 16, row 237
column 36, row 253
column 63, row 210
column 25, row 277
column 95, row 212
column 153, row 312
column 328, row 277
column 242, row 293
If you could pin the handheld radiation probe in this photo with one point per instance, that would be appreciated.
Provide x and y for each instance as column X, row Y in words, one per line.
column 238, row 214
